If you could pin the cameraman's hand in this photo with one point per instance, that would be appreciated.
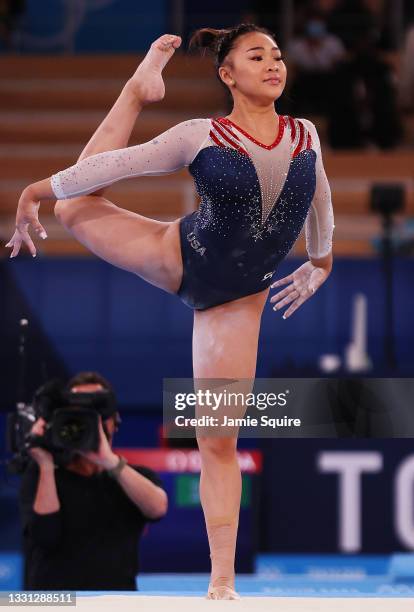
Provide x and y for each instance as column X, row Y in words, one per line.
column 105, row 457
column 42, row 457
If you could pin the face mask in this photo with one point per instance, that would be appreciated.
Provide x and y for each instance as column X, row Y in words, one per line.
column 316, row 29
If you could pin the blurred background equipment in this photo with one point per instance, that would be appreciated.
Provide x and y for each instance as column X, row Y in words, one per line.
column 356, row 356
column 388, row 200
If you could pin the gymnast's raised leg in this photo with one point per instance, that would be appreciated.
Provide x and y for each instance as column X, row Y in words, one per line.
column 144, row 246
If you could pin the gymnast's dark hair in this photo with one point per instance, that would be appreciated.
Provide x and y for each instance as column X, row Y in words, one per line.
column 221, row 42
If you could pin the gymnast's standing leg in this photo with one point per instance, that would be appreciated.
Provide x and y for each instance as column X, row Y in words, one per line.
column 225, row 342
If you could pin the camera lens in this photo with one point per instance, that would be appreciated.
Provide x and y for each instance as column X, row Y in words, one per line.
column 72, row 431
column 75, row 428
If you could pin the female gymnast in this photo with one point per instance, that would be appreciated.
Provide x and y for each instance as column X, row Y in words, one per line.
column 260, row 177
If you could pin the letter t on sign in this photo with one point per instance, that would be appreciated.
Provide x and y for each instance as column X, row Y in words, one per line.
column 349, row 466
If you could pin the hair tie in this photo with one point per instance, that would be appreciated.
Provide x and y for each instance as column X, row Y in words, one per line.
column 222, row 38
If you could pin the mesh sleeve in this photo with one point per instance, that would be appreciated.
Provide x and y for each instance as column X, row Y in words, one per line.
column 319, row 224
column 168, row 152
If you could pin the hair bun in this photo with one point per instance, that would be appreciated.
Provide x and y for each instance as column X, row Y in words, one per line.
column 207, row 38
column 220, row 42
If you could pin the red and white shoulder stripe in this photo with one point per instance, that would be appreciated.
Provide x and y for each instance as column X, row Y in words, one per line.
column 224, row 136
column 300, row 135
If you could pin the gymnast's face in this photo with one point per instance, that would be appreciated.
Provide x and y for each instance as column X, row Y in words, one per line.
column 255, row 68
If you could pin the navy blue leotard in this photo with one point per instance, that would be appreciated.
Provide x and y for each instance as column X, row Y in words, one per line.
column 254, row 200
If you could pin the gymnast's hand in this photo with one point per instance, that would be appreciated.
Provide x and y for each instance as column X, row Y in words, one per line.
column 303, row 283
column 27, row 216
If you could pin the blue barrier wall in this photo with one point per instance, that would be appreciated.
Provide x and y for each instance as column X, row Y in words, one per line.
column 57, row 26
column 85, row 314
column 91, row 25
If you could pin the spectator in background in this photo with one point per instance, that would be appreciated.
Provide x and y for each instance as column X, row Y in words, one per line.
column 10, row 11
column 314, row 56
column 82, row 518
column 363, row 102
column 303, row 8
column 351, row 20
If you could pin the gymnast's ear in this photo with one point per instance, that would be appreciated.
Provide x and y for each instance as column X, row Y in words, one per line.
column 225, row 75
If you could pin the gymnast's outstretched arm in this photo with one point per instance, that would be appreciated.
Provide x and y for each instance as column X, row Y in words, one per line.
column 166, row 153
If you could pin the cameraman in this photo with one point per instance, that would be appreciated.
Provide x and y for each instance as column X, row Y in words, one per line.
column 82, row 520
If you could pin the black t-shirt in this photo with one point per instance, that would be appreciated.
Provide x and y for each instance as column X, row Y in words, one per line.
column 91, row 543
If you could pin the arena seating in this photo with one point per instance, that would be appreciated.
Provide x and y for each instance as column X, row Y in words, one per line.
column 49, row 107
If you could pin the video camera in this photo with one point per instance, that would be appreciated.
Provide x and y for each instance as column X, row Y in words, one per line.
column 72, row 423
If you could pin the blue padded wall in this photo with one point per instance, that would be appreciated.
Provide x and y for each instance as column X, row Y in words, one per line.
column 86, row 314
column 91, row 25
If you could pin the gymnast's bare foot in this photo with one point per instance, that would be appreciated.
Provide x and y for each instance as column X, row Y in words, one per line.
column 147, row 82
column 222, row 592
